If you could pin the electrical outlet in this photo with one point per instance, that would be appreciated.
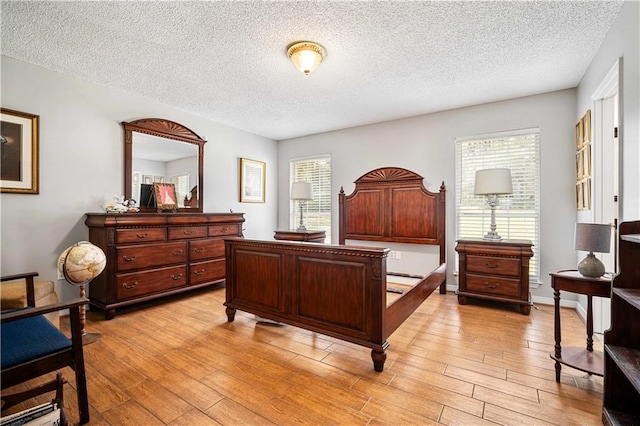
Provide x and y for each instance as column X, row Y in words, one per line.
column 398, row 255
column 392, row 254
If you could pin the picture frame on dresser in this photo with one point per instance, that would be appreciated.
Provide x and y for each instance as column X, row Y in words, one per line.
column 19, row 169
column 165, row 194
column 252, row 181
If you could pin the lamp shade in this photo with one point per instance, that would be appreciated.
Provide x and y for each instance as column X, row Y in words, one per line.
column 306, row 56
column 493, row 181
column 592, row 237
column 301, row 191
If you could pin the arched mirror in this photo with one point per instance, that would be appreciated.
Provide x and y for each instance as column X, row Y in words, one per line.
column 158, row 150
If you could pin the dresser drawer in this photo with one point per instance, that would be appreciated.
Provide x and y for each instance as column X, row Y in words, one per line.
column 150, row 255
column 493, row 285
column 221, row 230
column 147, row 282
column 493, row 265
column 202, row 272
column 140, row 235
column 206, row 249
column 182, row 232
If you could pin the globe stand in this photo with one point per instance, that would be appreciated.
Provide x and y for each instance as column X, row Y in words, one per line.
column 87, row 338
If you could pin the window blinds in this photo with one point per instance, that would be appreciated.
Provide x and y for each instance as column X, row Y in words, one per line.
column 517, row 214
column 317, row 214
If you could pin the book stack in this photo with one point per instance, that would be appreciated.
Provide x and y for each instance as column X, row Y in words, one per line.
column 48, row 414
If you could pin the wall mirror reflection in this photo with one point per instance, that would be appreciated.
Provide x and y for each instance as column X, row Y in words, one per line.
column 162, row 151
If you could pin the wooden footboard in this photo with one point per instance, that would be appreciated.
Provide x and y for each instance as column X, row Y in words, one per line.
column 339, row 291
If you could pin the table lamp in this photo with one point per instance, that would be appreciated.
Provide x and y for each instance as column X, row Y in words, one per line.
column 592, row 237
column 493, row 182
column 301, row 192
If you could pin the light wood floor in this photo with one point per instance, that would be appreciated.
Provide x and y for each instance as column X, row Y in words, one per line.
column 181, row 363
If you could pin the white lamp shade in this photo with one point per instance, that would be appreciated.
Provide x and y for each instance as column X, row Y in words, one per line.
column 593, row 237
column 493, row 181
column 301, row 191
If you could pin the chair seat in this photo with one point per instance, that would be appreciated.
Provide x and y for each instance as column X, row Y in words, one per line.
column 26, row 339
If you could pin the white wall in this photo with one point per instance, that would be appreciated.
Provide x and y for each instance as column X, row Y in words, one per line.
column 425, row 145
column 81, row 164
column 622, row 41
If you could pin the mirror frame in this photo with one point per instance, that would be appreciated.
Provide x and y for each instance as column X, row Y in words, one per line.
column 166, row 129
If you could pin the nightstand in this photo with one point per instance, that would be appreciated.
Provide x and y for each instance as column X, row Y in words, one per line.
column 307, row 236
column 495, row 270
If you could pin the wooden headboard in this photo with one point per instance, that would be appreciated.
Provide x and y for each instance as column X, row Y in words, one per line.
column 391, row 204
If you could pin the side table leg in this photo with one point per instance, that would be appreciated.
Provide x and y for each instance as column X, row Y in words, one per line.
column 590, row 323
column 557, row 332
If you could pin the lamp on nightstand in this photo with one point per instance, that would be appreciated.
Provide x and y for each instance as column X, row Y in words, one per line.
column 592, row 237
column 301, row 192
column 493, row 182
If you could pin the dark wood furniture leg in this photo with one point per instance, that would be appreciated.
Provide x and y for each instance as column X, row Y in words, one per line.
column 589, row 324
column 557, row 332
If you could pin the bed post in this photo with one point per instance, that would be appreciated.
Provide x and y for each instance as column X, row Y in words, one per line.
column 341, row 227
column 442, row 231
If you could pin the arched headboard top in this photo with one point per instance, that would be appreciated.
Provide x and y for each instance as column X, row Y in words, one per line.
column 391, row 204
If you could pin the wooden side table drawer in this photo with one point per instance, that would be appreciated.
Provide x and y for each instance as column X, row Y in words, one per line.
column 493, row 265
column 141, row 283
column 141, row 235
column 493, row 285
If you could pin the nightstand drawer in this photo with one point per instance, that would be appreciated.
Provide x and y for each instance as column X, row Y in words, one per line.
column 493, row 285
column 493, row 265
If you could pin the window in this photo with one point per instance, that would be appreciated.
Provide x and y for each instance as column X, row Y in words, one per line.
column 517, row 214
column 182, row 188
column 317, row 212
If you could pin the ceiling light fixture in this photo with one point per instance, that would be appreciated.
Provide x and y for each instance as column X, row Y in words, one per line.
column 306, row 55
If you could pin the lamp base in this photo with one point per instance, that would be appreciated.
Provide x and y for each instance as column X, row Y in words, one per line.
column 301, row 228
column 591, row 266
column 492, row 236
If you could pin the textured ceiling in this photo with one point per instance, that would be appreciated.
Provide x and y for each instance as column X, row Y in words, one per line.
column 226, row 61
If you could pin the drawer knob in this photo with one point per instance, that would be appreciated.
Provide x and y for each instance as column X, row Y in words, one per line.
column 187, row 232
column 129, row 286
column 198, row 249
column 495, row 285
column 176, row 276
column 176, row 252
column 491, row 265
column 145, row 235
column 129, row 259
column 224, row 229
column 199, row 272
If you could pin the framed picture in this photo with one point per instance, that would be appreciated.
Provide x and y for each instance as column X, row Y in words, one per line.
column 165, row 196
column 252, row 181
column 148, row 179
column 19, row 166
column 587, row 127
column 579, row 134
column 159, row 179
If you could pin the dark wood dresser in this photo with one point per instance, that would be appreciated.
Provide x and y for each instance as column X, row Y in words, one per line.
column 495, row 270
column 151, row 255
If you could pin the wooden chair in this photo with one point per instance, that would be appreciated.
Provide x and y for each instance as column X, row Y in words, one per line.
column 31, row 347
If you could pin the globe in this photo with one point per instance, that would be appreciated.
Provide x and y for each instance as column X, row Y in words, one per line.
column 81, row 262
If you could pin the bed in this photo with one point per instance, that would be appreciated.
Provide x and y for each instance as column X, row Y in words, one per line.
column 343, row 290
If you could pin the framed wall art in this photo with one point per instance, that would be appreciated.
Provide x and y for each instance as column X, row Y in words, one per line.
column 583, row 162
column 165, row 197
column 19, row 137
column 252, row 181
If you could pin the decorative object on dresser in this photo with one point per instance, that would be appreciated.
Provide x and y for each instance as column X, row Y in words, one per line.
column 19, row 133
column 165, row 195
column 586, row 360
column 301, row 192
column 163, row 140
column 80, row 264
column 151, row 255
column 621, row 404
column 341, row 290
column 592, row 237
column 296, row 235
column 253, row 176
column 495, row 270
column 493, row 182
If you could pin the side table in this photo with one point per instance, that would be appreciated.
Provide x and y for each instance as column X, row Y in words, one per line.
column 586, row 359
column 307, row 236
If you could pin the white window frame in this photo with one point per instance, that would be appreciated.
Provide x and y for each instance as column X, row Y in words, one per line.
column 317, row 212
column 522, row 156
